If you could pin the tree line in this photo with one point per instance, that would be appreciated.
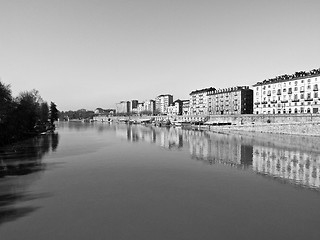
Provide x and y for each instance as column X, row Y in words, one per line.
column 25, row 115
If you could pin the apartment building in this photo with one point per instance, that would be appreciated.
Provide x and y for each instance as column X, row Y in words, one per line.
column 288, row 94
column 123, row 107
column 163, row 102
column 134, row 106
column 198, row 101
column 147, row 106
column 234, row 100
column 185, row 107
column 175, row 108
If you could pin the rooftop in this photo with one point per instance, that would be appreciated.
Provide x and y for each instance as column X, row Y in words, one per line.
column 203, row 90
column 286, row 77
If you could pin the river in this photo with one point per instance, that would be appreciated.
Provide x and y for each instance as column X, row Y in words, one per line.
column 117, row 181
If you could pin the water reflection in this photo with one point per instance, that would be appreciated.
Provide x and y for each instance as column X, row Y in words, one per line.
column 22, row 161
column 292, row 159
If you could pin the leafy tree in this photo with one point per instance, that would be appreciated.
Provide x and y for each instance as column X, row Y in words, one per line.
column 44, row 112
column 54, row 113
column 5, row 101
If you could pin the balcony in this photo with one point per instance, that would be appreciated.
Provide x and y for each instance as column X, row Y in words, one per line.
column 274, row 101
column 257, row 103
column 309, row 99
column 295, row 100
column 284, row 101
column 264, row 102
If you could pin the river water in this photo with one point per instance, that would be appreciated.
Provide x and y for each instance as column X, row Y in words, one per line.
column 114, row 181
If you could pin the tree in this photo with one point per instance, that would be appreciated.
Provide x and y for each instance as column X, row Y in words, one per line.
column 54, row 113
column 5, row 101
column 44, row 112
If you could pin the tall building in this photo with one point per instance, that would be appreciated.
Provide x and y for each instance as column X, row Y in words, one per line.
column 134, row 106
column 147, row 106
column 163, row 102
column 198, row 101
column 234, row 100
column 123, row 107
column 185, row 107
column 287, row 94
column 175, row 108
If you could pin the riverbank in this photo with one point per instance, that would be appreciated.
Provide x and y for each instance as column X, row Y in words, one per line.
column 293, row 124
column 303, row 129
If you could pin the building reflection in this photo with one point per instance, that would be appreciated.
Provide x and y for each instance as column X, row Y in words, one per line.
column 298, row 167
column 203, row 146
column 23, row 159
column 280, row 157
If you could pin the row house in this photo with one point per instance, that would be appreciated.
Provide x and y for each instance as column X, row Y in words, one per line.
column 288, row 94
column 198, row 101
column 234, row 100
column 163, row 102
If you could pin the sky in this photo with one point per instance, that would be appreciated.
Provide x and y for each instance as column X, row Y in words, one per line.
column 95, row 53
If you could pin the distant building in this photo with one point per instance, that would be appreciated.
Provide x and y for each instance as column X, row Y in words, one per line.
column 198, row 101
column 123, row 107
column 185, row 107
column 163, row 102
column 288, row 94
column 107, row 112
column 234, row 100
column 147, row 107
column 134, row 106
column 175, row 108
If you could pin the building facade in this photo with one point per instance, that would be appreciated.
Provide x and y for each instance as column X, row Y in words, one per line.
column 134, row 106
column 147, row 106
column 198, row 101
column 234, row 100
column 175, row 108
column 123, row 107
column 288, row 94
column 185, row 107
column 163, row 102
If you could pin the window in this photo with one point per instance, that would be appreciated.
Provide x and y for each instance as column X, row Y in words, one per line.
column 308, row 95
column 302, row 81
column 296, row 83
column 302, row 89
column 309, row 80
column 315, row 87
column 296, row 88
column 315, row 94
column 309, row 87
column 302, row 96
column 284, row 90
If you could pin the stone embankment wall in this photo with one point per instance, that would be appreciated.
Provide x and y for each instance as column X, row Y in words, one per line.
column 298, row 128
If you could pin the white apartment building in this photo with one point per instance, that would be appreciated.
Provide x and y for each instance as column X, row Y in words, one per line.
column 288, row 94
column 198, row 101
column 146, row 106
column 163, row 102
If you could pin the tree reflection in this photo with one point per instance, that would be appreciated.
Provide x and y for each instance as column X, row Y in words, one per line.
column 22, row 160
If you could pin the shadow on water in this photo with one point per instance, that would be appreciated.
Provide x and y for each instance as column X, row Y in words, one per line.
column 19, row 165
column 287, row 159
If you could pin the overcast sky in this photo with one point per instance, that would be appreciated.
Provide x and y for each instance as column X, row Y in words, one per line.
column 94, row 53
